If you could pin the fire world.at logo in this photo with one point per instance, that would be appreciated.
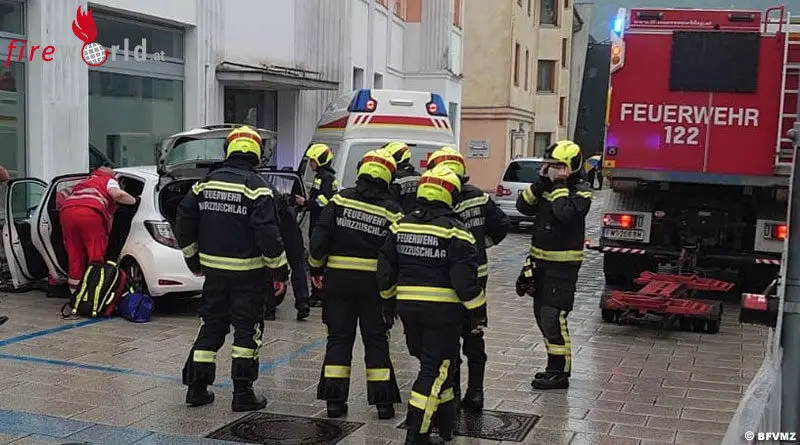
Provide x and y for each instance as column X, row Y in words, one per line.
column 92, row 53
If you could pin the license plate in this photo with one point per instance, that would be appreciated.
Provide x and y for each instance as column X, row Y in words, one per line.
column 623, row 234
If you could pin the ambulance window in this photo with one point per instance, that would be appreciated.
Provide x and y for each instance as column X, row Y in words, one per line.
column 354, row 155
column 714, row 61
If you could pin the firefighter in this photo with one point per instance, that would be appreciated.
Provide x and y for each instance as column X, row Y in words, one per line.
column 228, row 230
column 324, row 187
column 489, row 225
column 405, row 184
column 428, row 273
column 86, row 214
column 292, row 237
column 559, row 200
column 345, row 246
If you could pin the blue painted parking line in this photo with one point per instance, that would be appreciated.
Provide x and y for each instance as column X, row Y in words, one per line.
column 286, row 358
column 54, row 330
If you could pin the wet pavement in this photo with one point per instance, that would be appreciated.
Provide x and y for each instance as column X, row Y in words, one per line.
column 115, row 382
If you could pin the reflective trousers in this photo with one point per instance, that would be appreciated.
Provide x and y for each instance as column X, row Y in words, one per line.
column 352, row 298
column 474, row 348
column 553, row 299
column 85, row 240
column 229, row 298
column 432, row 337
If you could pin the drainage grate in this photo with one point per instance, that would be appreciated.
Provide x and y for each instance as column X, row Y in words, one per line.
column 278, row 429
column 493, row 425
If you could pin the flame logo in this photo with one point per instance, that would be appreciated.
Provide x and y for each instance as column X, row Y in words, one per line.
column 84, row 27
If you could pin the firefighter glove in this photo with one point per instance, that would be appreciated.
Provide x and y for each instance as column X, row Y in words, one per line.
column 477, row 320
column 525, row 281
column 389, row 312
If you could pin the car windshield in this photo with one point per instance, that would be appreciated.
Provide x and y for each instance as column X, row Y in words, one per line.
column 187, row 149
column 522, row 171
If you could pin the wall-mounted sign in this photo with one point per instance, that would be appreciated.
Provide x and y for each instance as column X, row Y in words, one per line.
column 478, row 149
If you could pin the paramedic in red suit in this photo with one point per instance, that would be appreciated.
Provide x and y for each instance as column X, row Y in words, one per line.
column 86, row 215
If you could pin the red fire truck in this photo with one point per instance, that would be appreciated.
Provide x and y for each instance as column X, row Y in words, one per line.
column 696, row 151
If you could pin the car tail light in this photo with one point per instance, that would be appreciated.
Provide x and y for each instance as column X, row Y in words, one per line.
column 621, row 220
column 169, row 283
column 161, row 231
column 776, row 231
column 502, row 191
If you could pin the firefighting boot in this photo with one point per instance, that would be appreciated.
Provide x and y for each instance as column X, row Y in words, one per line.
column 245, row 399
column 473, row 398
column 385, row 411
column 446, row 420
column 199, row 395
column 303, row 312
column 542, row 374
column 551, row 380
column 415, row 438
column 336, row 409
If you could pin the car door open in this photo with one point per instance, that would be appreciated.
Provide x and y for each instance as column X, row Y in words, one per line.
column 47, row 236
column 22, row 202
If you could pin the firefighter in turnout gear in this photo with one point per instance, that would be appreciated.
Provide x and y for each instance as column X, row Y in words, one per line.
column 228, row 230
column 489, row 225
column 407, row 179
column 559, row 200
column 428, row 274
column 324, row 187
column 345, row 246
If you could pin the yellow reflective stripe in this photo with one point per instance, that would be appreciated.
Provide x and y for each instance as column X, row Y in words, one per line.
column 558, row 193
column 447, row 395
column 96, row 301
column 231, row 187
column 322, row 200
column 337, row 372
column 429, row 229
column 379, row 374
column 257, row 340
column 240, row 352
column 587, row 195
column 229, row 263
column 429, row 294
column 554, row 349
column 190, row 250
column 352, row 263
column 529, row 196
column 276, row 262
column 317, row 181
column 471, row 202
column 558, row 256
column 528, row 273
column 335, row 184
column 366, row 207
column 483, row 270
column 433, row 400
column 313, row 262
column 199, row 356
column 418, row 400
column 562, row 319
column 389, row 293
column 476, row 302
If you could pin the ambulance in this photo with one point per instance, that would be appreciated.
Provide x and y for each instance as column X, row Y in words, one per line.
column 365, row 120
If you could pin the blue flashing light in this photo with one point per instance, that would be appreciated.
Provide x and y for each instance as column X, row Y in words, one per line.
column 436, row 106
column 619, row 25
column 363, row 102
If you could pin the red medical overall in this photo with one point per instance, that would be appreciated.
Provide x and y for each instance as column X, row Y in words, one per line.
column 86, row 216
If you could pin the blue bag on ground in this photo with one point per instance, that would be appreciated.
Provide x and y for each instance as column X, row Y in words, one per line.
column 135, row 307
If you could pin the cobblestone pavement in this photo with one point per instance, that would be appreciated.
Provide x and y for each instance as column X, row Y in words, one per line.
column 116, row 382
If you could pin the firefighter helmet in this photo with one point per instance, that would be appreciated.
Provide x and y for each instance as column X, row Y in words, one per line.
column 565, row 152
column 243, row 140
column 449, row 157
column 439, row 184
column 399, row 150
column 378, row 164
column 319, row 153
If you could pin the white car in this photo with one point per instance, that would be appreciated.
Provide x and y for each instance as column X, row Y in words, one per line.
column 141, row 238
column 518, row 175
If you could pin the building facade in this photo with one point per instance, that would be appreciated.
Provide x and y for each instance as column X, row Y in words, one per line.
column 184, row 63
column 516, row 82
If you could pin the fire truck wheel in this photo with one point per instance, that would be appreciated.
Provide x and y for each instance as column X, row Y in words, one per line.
column 610, row 315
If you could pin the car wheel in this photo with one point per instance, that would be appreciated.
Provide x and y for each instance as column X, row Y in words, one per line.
column 135, row 275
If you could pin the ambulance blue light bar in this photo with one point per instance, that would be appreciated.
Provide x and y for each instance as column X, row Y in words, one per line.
column 618, row 27
column 436, row 106
column 363, row 102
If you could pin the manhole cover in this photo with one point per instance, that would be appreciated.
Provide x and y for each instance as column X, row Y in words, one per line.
column 278, row 429
column 493, row 425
